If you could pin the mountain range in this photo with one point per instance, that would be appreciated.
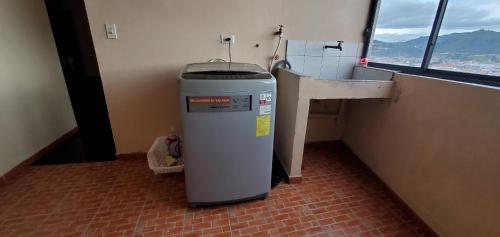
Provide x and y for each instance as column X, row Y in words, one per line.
column 481, row 45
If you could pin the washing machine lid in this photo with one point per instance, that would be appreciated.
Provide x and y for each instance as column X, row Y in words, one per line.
column 224, row 71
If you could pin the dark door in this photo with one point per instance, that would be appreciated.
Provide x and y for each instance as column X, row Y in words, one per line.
column 73, row 39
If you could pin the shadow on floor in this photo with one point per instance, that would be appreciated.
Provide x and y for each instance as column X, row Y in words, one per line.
column 70, row 151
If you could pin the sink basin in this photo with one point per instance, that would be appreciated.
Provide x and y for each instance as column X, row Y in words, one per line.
column 366, row 82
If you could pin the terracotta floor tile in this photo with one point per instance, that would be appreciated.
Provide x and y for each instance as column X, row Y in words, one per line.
column 338, row 197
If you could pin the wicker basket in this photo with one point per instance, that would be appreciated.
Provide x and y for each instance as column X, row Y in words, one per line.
column 156, row 158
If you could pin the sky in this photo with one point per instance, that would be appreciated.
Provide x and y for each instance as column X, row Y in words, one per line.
column 401, row 20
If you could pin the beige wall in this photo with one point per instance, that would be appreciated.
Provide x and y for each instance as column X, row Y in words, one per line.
column 438, row 148
column 326, row 120
column 34, row 104
column 158, row 37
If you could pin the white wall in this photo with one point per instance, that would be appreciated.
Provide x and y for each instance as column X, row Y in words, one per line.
column 34, row 104
column 438, row 148
column 158, row 37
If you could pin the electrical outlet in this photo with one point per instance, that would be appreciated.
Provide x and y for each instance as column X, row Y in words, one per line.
column 225, row 36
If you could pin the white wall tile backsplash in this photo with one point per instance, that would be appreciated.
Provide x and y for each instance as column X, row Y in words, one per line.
column 346, row 67
column 331, row 52
column 312, row 59
column 297, row 62
column 315, row 48
column 329, row 68
column 296, row 47
column 349, row 49
column 312, row 66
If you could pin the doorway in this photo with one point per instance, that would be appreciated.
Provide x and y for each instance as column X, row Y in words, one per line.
column 71, row 30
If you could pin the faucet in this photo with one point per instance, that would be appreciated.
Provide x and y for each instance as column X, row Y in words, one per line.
column 339, row 46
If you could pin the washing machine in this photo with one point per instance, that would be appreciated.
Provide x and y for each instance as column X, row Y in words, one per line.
column 228, row 112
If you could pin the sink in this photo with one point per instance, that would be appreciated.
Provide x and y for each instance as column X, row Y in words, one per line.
column 366, row 82
column 295, row 91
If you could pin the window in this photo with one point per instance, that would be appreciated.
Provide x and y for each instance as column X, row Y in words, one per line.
column 451, row 39
column 469, row 38
column 402, row 32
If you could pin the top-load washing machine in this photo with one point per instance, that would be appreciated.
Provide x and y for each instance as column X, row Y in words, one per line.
column 228, row 112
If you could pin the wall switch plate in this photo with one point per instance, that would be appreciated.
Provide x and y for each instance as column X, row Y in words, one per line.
column 111, row 32
column 225, row 36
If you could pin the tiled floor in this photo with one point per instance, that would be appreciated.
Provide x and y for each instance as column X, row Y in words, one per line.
column 337, row 197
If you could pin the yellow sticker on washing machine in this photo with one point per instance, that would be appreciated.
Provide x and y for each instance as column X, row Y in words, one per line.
column 263, row 125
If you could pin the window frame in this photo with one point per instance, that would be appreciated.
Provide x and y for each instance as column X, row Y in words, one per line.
column 424, row 69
